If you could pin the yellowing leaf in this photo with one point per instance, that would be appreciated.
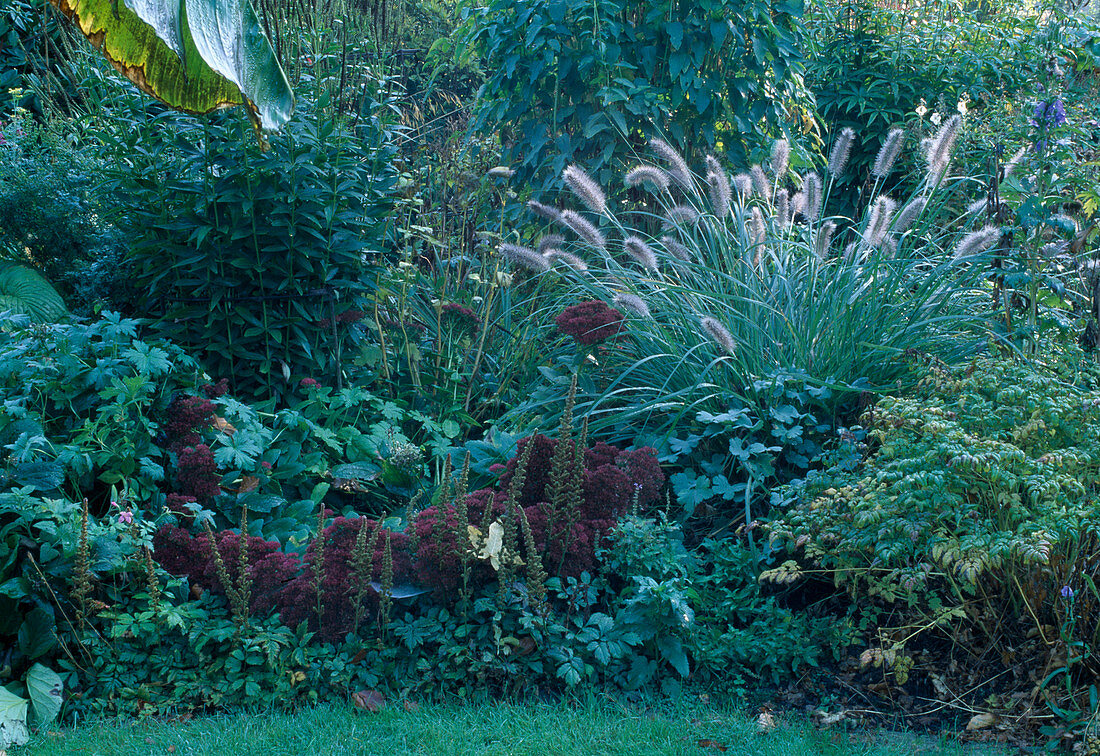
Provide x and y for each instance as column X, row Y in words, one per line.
column 980, row 721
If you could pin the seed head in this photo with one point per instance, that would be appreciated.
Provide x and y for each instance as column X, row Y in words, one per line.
column 544, row 211
column 719, row 185
column 842, row 150
column 878, row 223
column 719, row 333
column 798, row 205
column 811, row 185
column 676, row 249
column 742, row 185
column 760, row 182
column 500, row 171
column 680, row 215
column 641, row 252
column 939, row 149
column 977, row 242
column 525, row 257
column 587, row 190
column 909, row 214
column 647, row 174
column 574, row 262
column 781, row 157
column 550, row 241
column 782, row 208
column 633, row 304
column 1014, row 161
column 583, row 228
column 824, row 239
column 756, row 227
column 888, row 154
column 677, row 167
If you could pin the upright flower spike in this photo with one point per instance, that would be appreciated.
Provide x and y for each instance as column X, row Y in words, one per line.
column 824, row 239
column 888, row 154
column 544, row 211
column 550, row 241
column 879, row 221
column 782, row 208
column 842, row 150
column 811, row 185
column 718, row 183
column 742, row 185
column 677, row 167
column 760, row 183
column 781, row 157
column 586, row 190
column 939, row 149
column 681, row 215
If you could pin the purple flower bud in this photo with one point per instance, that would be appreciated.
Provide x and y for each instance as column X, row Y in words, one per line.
column 1067, row 592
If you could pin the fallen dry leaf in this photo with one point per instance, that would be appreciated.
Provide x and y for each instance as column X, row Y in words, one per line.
column 368, row 700
column 765, row 722
column 979, row 721
column 224, row 425
column 712, row 744
column 412, row 706
column 248, row 483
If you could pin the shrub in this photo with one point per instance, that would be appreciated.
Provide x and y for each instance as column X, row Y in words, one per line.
column 969, row 511
column 573, row 76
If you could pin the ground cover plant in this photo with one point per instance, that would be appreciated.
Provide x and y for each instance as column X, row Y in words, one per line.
column 601, row 381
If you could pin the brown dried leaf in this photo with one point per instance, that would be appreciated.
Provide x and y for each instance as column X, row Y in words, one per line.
column 224, row 425
column 765, row 722
column 980, row 721
column 368, row 700
column 705, row 743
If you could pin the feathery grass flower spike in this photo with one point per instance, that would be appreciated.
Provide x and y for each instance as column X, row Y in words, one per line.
column 909, row 214
column 641, row 252
column 721, row 194
column 680, row 215
column 633, row 304
column 574, row 262
column 888, row 154
column 525, row 257
column 977, row 242
column 1014, row 161
column 842, row 150
column 811, row 185
column 544, row 211
column 781, row 157
column 587, row 190
column 879, row 221
column 760, row 183
column 647, row 174
column 782, row 208
column 582, row 228
column 824, row 239
column 550, row 241
column 719, row 333
column 757, row 232
column 742, row 184
column 939, row 149
column 677, row 167
column 676, row 249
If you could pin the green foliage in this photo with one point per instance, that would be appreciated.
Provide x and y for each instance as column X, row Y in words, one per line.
column 871, row 66
column 251, row 260
column 23, row 291
column 568, row 79
column 970, row 512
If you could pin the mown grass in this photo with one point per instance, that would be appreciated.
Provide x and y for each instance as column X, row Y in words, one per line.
column 583, row 729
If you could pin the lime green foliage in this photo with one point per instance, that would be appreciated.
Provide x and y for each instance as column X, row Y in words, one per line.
column 193, row 55
column 24, row 291
column 568, row 80
column 578, row 728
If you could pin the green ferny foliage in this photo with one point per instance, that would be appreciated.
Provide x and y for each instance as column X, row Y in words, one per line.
column 984, row 475
column 568, row 79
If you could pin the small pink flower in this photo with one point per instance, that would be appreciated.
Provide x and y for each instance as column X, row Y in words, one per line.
column 265, row 465
column 126, row 517
column 308, row 383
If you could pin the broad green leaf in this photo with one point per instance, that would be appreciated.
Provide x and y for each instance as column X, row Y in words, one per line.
column 229, row 38
column 44, row 686
column 13, row 719
column 192, row 55
column 23, row 290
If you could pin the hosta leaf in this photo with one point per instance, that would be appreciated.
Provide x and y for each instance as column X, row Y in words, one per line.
column 13, row 719
column 23, row 290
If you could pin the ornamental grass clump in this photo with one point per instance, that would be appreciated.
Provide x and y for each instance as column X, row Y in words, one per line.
column 725, row 281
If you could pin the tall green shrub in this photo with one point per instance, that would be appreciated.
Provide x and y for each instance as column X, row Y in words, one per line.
column 252, row 260
column 566, row 77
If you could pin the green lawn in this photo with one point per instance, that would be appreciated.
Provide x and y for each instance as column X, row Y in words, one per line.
column 505, row 729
